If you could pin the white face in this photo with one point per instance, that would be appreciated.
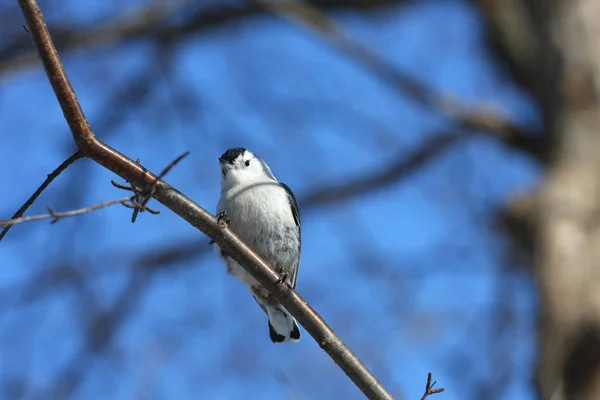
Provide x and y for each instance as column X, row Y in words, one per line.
column 239, row 166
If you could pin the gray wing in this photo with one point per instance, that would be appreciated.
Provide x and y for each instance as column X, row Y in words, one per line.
column 296, row 214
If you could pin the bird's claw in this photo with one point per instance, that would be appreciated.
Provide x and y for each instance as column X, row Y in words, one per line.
column 283, row 276
column 223, row 219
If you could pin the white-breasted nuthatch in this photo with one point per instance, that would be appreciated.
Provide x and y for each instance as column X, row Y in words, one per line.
column 264, row 214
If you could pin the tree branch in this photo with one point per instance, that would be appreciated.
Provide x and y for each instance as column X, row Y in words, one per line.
column 429, row 390
column 198, row 217
column 137, row 201
column 57, row 216
column 39, row 191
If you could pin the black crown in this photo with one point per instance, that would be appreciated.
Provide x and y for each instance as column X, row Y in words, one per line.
column 233, row 153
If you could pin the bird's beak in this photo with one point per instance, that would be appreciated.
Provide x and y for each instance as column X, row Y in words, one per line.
column 221, row 161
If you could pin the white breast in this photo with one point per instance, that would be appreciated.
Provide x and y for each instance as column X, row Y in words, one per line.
column 260, row 214
column 257, row 209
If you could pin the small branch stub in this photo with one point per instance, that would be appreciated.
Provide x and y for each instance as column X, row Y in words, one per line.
column 429, row 390
column 143, row 195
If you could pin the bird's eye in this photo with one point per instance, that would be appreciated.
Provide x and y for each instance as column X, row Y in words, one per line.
column 247, row 163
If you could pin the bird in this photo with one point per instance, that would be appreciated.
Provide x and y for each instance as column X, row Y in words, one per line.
column 264, row 214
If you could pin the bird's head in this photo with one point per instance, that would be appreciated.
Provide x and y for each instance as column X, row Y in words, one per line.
column 241, row 166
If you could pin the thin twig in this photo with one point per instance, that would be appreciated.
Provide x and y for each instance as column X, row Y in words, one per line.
column 172, row 164
column 142, row 196
column 57, row 216
column 122, row 187
column 138, row 207
column 429, row 390
column 197, row 216
column 39, row 191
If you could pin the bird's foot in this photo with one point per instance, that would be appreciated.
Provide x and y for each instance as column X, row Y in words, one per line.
column 283, row 276
column 223, row 219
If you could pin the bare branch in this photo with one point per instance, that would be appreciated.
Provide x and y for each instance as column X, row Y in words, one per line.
column 142, row 196
column 57, row 216
column 39, row 191
column 137, row 202
column 198, row 217
column 429, row 390
column 172, row 164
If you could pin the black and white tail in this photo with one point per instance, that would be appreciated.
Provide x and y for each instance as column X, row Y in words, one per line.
column 282, row 326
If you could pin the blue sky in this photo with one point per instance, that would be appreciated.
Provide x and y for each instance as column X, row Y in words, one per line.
column 412, row 276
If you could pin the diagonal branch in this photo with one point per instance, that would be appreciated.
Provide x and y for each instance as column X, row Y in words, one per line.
column 197, row 216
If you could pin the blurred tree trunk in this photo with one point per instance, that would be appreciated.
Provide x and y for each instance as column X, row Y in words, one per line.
column 552, row 48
